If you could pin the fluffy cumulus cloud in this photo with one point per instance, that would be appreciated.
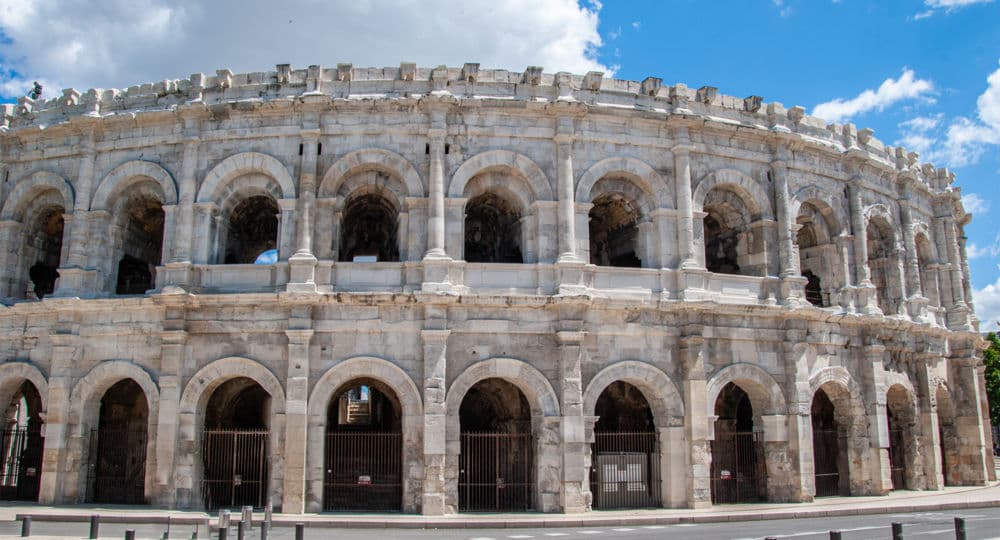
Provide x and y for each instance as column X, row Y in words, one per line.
column 890, row 92
column 987, row 302
column 974, row 204
column 118, row 43
column 934, row 6
column 963, row 140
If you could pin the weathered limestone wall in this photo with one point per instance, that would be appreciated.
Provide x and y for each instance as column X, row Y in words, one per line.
column 885, row 325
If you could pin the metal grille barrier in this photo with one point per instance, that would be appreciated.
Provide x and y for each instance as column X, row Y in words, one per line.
column 363, row 472
column 235, row 470
column 738, row 470
column 117, row 472
column 626, row 470
column 20, row 463
column 496, row 472
column 897, row 458
column 826, row 455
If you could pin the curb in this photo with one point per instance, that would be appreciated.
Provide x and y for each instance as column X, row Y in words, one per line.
column 333, row 522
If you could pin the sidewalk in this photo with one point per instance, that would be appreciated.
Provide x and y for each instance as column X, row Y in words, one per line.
column 950, row 499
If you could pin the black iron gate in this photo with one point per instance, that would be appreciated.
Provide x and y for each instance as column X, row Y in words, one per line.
column 235, row 468
column 20, row 463
column 117, row 472
column 897, row 457
column 364, row 472
column 496, row 472
column 826, row 459
column 738, row 470
column 626, row 470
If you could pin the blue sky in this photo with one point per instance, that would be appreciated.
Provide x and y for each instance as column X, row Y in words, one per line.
column 918, row 72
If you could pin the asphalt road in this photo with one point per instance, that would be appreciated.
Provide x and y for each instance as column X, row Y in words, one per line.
column 980, row 524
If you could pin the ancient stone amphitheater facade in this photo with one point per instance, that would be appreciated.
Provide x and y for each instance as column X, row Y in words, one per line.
column 486, row 290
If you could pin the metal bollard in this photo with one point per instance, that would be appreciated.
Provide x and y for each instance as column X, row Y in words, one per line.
column 248, row 517
column 959, row 529
column 265, row 530
column 897, row 531
column 268, row 510
column 26, row 526
column 835, row 535
column 166, row 533
column 129, row 534
column 95, row 526
column 239, row 530
column 300, row 531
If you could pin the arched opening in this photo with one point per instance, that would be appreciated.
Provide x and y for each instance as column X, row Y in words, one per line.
column 819, row 255
column 118, row 446
column 948, row 437
column 139, row 243
column 369, row 230
column 738, row 468
column 42, row 243
column 721, row 245
column 614, row 231
column 902, row 424
column 626, row 454
column 235, row 445
column 882, row 264
column 496, row 464
column 363, row 461
column 492, row 230
column 830, row 462
column 252, row 229
column 731, row 245
column 21, row 445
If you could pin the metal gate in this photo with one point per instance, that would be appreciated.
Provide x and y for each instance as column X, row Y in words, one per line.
column 20, row 463
column 738, row 470
column 235, row 470
column 826, row 459
column 496, row 472
column 626, row 470
column 364, row 472
column 897, row 457
column 117, row 472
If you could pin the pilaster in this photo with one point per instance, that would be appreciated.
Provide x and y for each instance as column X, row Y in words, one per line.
column 434, row 450
column 696, row 420
column 296, row 413
column 173, row 346
column 575, row 493
column 55, row 458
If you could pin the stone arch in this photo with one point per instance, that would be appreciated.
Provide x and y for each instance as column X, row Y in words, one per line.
column 84, row 412
column 541, row 396
column 131, row 172
column 639, row 172
column 748, row 189
column 191, row 412
column 13, row 374
column 826, row 203
column 765, row 393
column 245, row 163
column 200, row 387
column 901, row 404
column 837, row 376
column 655, row 385
column 97, row 381
column 405, row 390
column 371, row 158
column 29, row 187
column 501, row 160
column 880, row 212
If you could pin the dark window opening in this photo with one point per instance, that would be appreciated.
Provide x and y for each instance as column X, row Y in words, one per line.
column 829, row 454
column 142, row 246
column 253, row 229
column 43, row 251
column 492, row 230
column 369, row 230
column 364, row 406
column 738, row 468
column 238, row 403
column 814, row 290
column 614, row 232
column 721, row 245
column 118, row 446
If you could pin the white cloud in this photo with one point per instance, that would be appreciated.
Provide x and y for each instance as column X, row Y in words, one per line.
column 891, row 91
column 973, row 251
column 946, row 5
column 783, row 9
column 118, row 43
column 974, row 204
column 964, row 140
column 987, row 302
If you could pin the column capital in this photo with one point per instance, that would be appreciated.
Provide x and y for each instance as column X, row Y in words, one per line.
column 682, row 149
column 570, row 337
column 299, row 337
column 435, row 336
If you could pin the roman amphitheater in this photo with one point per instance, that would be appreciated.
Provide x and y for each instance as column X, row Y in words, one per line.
column 459, row 289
